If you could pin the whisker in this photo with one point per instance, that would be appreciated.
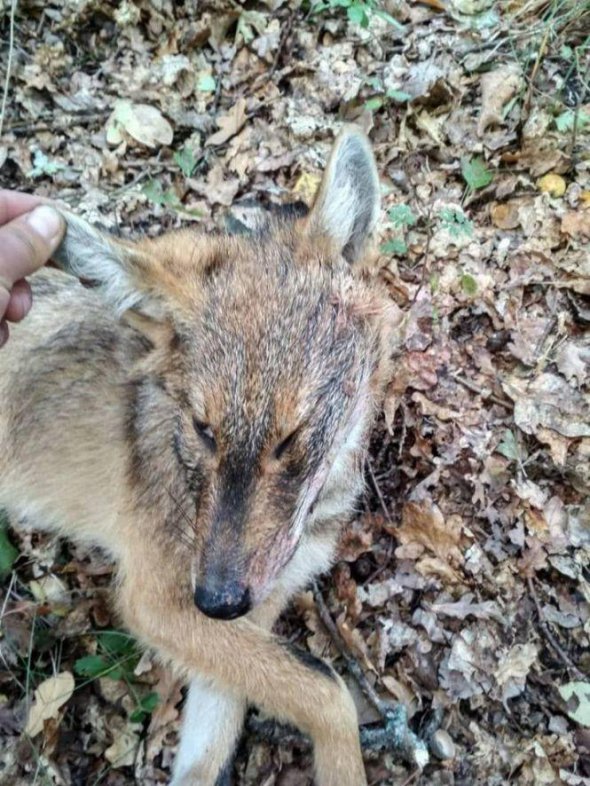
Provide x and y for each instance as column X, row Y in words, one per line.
column 184, row 536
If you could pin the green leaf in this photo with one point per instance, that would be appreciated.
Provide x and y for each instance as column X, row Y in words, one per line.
column 374, row 103
column 398, row 95
column 374, row 83
column 388, row 18
column 455, row 222
column 508, row 447
column 150, row 702
column 469, row 284
column 146, row 706
column 91, row 666
column 155, row 193
column 42, row 165
column 566, row 52
column 206, row 83
column 566, row 121
column 401, row 216
column 8, row 553
column 577, row 697
column 475, row 173
column 186, row 160
column 117, row 643
column 394, row 246
column 357, row 14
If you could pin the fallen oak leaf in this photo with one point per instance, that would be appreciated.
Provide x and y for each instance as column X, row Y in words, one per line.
column 497, row 88
column 576, row 223
column 229, row 124
column 424, row 523
column 49, row 697
column 549, row 402
column 513, row 669
column 142, row 122
column 577, row 698
column 123, row 751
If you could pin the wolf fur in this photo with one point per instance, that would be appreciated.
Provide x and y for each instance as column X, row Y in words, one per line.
column 201, row 414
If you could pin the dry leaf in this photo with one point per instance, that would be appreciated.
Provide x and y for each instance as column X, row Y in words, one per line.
column 576, row 223
column 513, row 669
column 51, row 694
column 551, row 184
column 548, row 401
column 229, row 124
column 123, row 751
column 424, row 523
column 497, row 88
column 505, row 215
column 306, row 187
column 142, row 122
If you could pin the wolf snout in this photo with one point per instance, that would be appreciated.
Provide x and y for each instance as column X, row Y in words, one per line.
column 225, row 602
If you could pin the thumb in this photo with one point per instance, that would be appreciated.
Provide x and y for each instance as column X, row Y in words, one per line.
column 27, row 242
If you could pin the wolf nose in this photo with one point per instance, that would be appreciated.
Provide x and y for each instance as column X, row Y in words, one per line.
column 226, row 603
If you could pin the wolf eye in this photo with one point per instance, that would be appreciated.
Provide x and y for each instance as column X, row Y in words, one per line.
column 206, row 433
column 285, row 444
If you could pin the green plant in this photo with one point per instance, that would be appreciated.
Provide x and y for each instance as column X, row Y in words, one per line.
column 455, row 222
column 402, row 218
column 43, row 166
column 475, row 173
column 116, row 658
column 468, row 284
column 508, row 447
column 186, row 160
column 8, row 553
column 167, row 198
column 358, row 11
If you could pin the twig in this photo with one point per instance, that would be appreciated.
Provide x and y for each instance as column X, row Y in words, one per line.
column 284, row 35
column 378, row 490
column 396, row 735
column 467, row 383
column 425, row 256
column 351, row 663
column 550, row 637
column 56, row 123
column 8, row 64
column 411, row 778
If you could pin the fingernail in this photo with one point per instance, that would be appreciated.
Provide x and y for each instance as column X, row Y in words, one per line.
column 46, row 222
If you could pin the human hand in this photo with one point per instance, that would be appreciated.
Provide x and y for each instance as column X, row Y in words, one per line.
column 30, row 231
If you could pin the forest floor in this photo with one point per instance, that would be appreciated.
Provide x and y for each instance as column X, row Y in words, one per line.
column 462, row 589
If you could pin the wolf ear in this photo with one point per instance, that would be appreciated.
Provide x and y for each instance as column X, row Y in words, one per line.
column 347, row 205
column 122, row 273
column 116, row 268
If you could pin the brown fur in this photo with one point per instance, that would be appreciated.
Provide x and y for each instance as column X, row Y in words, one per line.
column 156, row 436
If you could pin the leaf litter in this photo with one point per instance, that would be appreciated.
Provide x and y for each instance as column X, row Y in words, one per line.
column 462, row 588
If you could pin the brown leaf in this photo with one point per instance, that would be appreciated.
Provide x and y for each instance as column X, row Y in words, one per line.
column 505, row 215
column 576, row 223
column 548, row 401
column 51, row 694
column 424, row 523
column 497, row 88
column 229, row 124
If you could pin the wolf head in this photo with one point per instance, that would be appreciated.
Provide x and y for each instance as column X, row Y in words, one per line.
column 267, row 356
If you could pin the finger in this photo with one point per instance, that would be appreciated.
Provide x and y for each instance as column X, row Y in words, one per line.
column 21, row 300
column 14, row 203
column 4, row 300
column 4, row 333
column 27, row 243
